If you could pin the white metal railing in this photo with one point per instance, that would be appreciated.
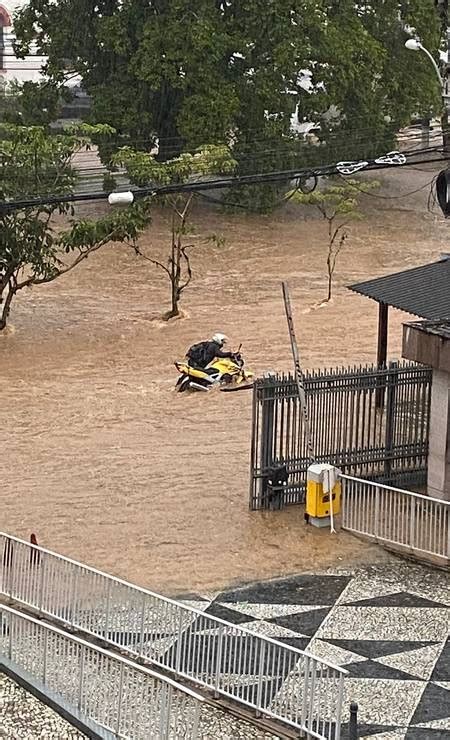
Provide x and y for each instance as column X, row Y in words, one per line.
column 413, row 522
column 129, row 700
column 225, row 658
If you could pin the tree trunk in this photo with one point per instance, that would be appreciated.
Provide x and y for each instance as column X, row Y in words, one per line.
column 330, row 277
column 174, row 311
column 174, row 276
column 6, row 308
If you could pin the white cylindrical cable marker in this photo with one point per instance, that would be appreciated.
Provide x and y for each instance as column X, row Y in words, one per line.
column 120, row 199
column 413, row 45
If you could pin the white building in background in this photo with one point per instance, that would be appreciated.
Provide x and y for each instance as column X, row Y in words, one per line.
column 11, row 68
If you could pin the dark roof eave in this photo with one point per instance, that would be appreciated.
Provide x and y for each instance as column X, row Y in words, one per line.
column 422, row 291
column 377, row 300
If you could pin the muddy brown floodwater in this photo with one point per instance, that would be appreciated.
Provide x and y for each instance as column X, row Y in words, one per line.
column 106, row 464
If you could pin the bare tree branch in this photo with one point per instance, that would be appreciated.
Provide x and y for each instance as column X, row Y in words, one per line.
column 188, row 269
column 33, row 280
column 336, row 232
column 149, row 259
column 187, row 206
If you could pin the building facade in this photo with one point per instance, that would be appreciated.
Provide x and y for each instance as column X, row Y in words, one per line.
column 12, row 68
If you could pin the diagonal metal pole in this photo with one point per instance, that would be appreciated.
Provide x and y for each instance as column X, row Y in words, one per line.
column 299, row 376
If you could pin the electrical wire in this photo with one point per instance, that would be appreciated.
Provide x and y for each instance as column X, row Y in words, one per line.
column 392, row 197
column 280, row 202
column 91, row 166
column 238, row 181
column 86, row 174
column 261, row 178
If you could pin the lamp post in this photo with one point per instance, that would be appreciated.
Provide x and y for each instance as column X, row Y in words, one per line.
column 415, row 45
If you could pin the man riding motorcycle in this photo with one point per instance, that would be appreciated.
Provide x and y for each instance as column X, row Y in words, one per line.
column 201, row 354
column 208, row 364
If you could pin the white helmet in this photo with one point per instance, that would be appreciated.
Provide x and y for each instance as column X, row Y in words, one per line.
column 219, row 338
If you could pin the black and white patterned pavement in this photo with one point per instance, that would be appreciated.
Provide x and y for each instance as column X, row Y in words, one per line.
column 389, row 626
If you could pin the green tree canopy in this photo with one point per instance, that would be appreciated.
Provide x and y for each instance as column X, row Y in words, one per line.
column 231, row 70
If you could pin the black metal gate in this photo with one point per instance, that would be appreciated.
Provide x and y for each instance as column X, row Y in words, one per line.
column 370, row 422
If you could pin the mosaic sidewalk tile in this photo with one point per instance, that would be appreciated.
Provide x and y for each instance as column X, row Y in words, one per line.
column 400, row 598
column 304, row 589
column 199, row 604
column 306, row 623
column 383, row 701
column 276, row 631
column 441, row 670
column 374, row 669
column 437, row 724
column 375, row 732
column 325, row 650
column 381, row 648
column 426, row 733
column 385, row 623
column 434, row 705
column 381, row 580
column 228, row 614
column 269, row 611
column 419, row 663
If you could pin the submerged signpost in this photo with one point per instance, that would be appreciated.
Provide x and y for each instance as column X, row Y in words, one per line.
column 299, row 377
column 328, row 474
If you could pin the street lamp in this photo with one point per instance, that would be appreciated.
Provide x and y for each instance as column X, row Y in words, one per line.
column 415, row 45
column 443, row 180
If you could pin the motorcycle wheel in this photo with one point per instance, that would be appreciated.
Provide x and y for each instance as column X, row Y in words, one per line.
column 182, row 384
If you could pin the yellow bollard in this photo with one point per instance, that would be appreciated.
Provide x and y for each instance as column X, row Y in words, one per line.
column 322, row 505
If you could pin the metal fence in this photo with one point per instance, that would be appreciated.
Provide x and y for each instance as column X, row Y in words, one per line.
column 370, row 422
column 408, row 521
column 269, row 676
column 126, row 699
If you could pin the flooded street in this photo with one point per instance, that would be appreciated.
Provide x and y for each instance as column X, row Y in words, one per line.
column 106, row 464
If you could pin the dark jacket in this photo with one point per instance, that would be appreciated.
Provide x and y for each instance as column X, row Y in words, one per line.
column 209, row 351
column 213, row 350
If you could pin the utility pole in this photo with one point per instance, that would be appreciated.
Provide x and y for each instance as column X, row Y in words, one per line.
column 446, row 90
column 443, row 10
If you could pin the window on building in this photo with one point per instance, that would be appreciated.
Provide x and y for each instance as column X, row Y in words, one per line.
column 5, row 22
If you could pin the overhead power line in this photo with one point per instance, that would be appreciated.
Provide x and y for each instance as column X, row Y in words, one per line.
column 388, row 161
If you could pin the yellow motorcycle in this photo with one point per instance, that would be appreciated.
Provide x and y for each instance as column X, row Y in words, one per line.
column 227, row 372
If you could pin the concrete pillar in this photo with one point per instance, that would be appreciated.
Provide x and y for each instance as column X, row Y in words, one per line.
column 439, row 452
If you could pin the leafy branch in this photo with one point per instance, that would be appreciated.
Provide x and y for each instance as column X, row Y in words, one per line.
column 338, row 205
column 33, row 251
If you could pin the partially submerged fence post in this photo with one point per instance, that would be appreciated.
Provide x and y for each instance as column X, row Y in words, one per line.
column 353, row 723
column 267, row 432
column 391, row 382
column 383, row 314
